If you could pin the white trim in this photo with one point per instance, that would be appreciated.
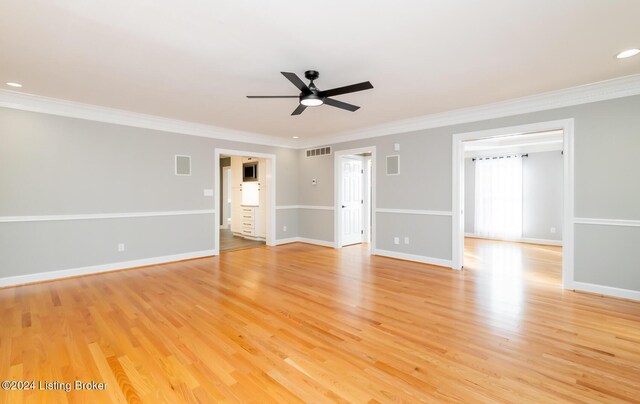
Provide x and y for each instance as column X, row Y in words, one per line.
column 337, row 193
column 415, row 212
column 287, row 240
column 316, row 207
column 539, row 147
column 95, row 269
column 412, row 257
column 92, row 216
column 607, row 290
column 619, row 87
column 322, row 243
column 54, row 106
column 529, row 240
column 606, row 222
column 270, row 186
column 457, row 225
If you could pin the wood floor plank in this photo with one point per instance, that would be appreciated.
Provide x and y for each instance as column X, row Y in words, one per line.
column 301, row 323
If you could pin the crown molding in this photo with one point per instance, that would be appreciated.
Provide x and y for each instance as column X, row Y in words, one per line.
column 600, row 91
column 71, row 109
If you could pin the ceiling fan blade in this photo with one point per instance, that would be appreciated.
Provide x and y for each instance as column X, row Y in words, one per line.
column 293, row 78
column 340, row 104
column 272, row 96
column 299, row 110
column 346, row 89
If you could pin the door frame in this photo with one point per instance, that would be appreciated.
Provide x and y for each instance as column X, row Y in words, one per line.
column 271, row 189
column 457, row 207
column 337, row 194
column 367, row 212
column 224, row 186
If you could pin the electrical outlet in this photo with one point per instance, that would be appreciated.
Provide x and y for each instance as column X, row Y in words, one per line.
column 121, row 247
column 284, row 228
column 396, row 240
column 553, row 230
column 208, row 192
column 406, row 240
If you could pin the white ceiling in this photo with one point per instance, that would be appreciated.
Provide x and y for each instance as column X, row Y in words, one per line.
column 196, row 60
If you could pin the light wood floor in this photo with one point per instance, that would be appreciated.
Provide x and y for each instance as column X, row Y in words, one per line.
column 305, row 323
column 229, row 242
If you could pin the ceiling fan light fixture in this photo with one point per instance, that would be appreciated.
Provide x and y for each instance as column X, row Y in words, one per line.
column 311, row 100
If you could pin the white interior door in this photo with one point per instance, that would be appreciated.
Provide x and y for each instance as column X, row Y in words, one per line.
column 352, row 200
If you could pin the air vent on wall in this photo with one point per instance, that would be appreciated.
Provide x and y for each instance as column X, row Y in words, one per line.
column 321, row 151
column 183, row 165
column 393, row 165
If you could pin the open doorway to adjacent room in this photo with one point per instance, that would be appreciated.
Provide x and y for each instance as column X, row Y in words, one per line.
column 513, row 204
column 355, row 197
column 244, row 199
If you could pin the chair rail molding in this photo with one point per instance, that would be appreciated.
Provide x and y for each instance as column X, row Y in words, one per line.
column 606, row 222
column 93, row 216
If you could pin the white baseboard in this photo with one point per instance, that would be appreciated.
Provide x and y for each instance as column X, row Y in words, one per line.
column 607, row 290
column 518, row 240
column 287, row 240
column 95, row 269
column 412, row 257
column 305, row 240
column 317, row 242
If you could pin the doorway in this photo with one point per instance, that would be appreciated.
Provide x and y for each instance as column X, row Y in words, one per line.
column 244, row 200
column 354, row 197
column 565, row 127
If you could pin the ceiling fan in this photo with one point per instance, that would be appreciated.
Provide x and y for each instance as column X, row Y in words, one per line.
column 310, row 96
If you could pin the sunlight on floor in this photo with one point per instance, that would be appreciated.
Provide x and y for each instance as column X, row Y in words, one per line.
column 510, row 268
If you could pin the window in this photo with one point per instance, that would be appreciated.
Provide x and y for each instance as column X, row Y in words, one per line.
column 498, row 197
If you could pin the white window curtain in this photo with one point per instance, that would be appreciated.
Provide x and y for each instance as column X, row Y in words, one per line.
column 498, row 197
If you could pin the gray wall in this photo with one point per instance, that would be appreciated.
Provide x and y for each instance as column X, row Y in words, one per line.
column 52, row 165
column 542, row 188
column 607, row 139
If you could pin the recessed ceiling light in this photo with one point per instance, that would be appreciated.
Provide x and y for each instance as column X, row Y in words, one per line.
column 628, row 53
column 12, row 84
column 296, row 137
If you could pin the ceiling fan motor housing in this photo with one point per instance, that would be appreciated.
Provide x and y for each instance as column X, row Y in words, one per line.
column 311, row 75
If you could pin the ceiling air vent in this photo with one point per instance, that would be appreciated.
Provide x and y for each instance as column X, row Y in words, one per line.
column 321, row 151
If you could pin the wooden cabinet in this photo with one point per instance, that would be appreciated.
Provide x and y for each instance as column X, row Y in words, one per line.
column 248, row 221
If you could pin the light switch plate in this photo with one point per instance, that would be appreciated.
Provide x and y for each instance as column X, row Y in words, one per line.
column 396, row 240
column 396, row 147
column 208, row 192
